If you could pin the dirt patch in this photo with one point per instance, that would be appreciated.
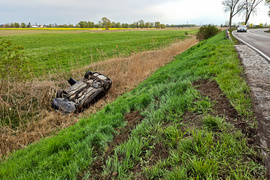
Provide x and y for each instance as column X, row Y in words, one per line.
column 223, row 108
column 96, row 168
column 221, row 103
column 133, row 119
column 159, row 152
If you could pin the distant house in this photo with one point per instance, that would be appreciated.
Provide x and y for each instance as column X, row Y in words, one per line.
column 33, row 26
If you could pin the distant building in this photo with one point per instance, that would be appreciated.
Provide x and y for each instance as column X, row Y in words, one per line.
column 39, row 26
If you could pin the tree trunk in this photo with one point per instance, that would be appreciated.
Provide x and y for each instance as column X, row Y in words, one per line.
column 230, row 21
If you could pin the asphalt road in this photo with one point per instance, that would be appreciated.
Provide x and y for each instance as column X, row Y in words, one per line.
column 256, row 38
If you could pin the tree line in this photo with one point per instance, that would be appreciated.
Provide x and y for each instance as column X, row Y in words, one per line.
column 104, row 23
column 245, row 7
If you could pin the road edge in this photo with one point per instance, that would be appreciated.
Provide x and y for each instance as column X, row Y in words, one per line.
column 257, row 50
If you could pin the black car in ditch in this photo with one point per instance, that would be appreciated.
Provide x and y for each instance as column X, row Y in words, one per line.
column 82, row 94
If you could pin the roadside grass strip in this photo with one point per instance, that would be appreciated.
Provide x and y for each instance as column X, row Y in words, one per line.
column 179, row 137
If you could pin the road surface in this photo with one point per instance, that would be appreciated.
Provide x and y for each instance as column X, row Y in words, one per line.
column 256, row 38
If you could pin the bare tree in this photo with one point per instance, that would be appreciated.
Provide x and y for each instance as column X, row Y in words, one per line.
column 234, row 7
column 268, row 2
column 250, row 8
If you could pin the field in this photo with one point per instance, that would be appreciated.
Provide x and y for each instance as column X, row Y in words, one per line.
column 24, row 31
column 191, row 119
column 54, row 52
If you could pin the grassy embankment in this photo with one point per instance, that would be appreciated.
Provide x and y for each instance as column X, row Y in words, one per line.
column 50, row 53
column 175, row 117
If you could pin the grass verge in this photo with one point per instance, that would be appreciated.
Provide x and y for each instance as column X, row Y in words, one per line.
column 212, row 148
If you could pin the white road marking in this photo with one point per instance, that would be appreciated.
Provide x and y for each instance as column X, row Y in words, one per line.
column 260, row 52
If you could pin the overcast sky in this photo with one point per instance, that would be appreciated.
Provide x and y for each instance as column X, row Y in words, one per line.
column 125, row 11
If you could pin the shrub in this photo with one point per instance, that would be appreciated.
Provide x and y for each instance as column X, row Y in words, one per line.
column 13, row 70
column 12, row 64
column 207, row 31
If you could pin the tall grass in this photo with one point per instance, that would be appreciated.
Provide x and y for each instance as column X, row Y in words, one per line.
column 210, row 150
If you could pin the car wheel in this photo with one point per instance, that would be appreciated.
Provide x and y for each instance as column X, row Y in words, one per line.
column 107, row 86
column 88, row 74
column 59, row 94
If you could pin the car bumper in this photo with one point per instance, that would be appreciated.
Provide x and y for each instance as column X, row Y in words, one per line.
column 241, row 30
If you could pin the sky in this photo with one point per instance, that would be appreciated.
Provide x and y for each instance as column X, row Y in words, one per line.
column 199, row 12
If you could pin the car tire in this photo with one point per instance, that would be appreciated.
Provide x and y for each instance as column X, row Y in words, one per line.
column 107, row 86
column 59, row 94
column 88, row 74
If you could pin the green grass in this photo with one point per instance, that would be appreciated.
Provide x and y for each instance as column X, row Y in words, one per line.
column 235, row 41
column 51, row 52
column 212, row 149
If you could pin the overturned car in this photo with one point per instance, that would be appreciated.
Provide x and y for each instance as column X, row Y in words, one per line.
column 82, row 94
